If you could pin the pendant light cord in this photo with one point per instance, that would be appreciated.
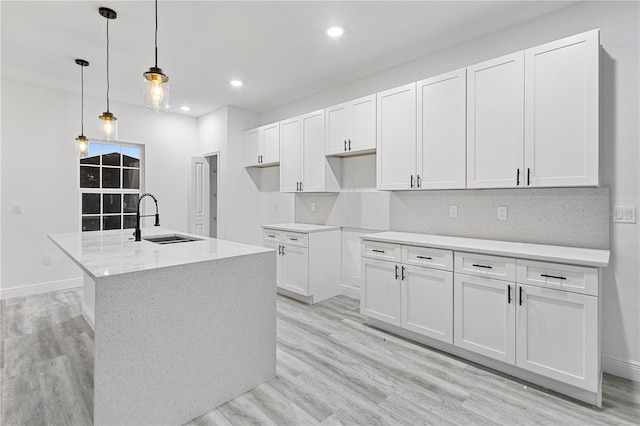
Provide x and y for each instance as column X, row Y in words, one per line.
column 108, row 65
column 82, row 101
column 156, row 33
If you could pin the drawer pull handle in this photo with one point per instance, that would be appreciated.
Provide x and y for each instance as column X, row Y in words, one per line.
column 293, row 239
column 424, row 257
column 482, row 266
column 271, row 236
column 377, row 251
column 553, row 276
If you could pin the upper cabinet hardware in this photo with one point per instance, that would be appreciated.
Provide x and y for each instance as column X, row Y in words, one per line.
column 297, row 186
column 349, row 144
column 396, row 272
column 283, row 250
column 345, row 144
column 424, row 257
column 520, row 302
column 279, row 249
column 378, row 251
column 509, row 294
column 528, row 176
column 518, row 178
column 417, row 181
column 403, row 274
column 482, row 266
column 411, row 181
column 553, row 276
column 300, row 186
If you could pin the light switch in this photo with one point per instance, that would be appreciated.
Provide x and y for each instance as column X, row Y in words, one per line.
column 624, row 214
column 313, row 207
column 17, row 208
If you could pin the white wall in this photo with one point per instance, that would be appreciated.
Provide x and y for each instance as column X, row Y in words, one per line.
column 619, row 137
column 40, row 171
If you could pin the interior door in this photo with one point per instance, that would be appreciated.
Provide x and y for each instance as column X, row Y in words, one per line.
column 199, row 196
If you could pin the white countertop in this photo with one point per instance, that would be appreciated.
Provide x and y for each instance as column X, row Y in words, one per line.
column 300, row 227
column 560, row 254
column 103, row 253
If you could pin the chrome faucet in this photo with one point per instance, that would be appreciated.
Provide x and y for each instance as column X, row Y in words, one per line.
column 138, row 233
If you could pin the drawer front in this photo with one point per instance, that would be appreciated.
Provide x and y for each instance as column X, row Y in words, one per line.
column 577, row 279
column 272, row 235
column 296, row 239
column 500, row 268
column 381, row 251
column 428, row 257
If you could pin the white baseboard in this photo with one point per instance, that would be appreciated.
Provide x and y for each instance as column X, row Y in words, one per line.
column 88, row 317
column 28, row 290
column 621, row 368
column 350, row 291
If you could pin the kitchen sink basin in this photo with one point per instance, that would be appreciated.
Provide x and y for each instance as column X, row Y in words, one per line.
column 171, row 239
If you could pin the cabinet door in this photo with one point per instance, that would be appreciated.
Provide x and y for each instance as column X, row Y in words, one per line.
column 275, row 246
column 362, row 135
column 484, row 317
column 558, row 335
column 396, row 138
column 427, row 302
column 291, row 155
column 337, row 129
column 270, row 135
column 561, row 111
column 380, row 294
column 251, row 147
column 313, row 165
column 495, row 128
column 295, row 269
column 442, row 126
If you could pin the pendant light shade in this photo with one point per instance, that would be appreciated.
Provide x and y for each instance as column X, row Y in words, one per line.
column 83, row 142
column 156, row 83
column 108, row 121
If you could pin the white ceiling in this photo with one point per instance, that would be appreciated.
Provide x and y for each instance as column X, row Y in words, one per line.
column 279, row 49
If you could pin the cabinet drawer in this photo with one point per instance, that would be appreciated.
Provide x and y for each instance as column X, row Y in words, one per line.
column 296, row 239
column 272, row 235
column 382, row 251
column 577, row 279
column 501, row 268
column 428, row 257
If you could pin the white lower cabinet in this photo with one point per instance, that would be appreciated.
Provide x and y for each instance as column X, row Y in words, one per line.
column 307, row 260
column 484, row 319
column 533, row 319
column 557, row 335
column 416, row 298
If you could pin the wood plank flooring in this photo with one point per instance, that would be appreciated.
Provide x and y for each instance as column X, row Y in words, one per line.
column 332, row 370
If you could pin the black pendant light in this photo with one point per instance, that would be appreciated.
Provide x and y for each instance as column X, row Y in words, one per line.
column 108, row 122
column 156, row 83
column 83, row 142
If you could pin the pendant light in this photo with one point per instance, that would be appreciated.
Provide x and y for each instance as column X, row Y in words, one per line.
column 108, row 122
column 83, row 142
column 156, row 83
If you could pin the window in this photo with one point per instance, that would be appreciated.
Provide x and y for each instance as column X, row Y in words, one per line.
column 111, row 178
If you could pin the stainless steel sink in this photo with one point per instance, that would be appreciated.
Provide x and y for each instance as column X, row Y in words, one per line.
column 170, row 239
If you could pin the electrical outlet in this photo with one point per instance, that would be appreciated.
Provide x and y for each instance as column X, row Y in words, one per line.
column 453, row 210
column 47, row 259
column 313, row 207
column 624, row 214
column 275, row 206
column 502, row 212
column 17, row 208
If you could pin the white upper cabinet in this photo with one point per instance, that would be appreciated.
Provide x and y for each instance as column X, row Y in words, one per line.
column 441, row 144
column 396, row 138
column 561, row 112
column 262, row 146
column 303, row 165
column 291, row 155
column 495, row 123
column 351, row 127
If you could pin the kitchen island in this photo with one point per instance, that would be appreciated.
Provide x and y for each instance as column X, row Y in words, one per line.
column 180, row 327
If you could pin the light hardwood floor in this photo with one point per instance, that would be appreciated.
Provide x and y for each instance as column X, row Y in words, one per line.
column 332, row 369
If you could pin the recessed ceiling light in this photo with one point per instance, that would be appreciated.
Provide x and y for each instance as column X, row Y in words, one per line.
column 335, row 31
column 236, row 83
column 185, row 108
